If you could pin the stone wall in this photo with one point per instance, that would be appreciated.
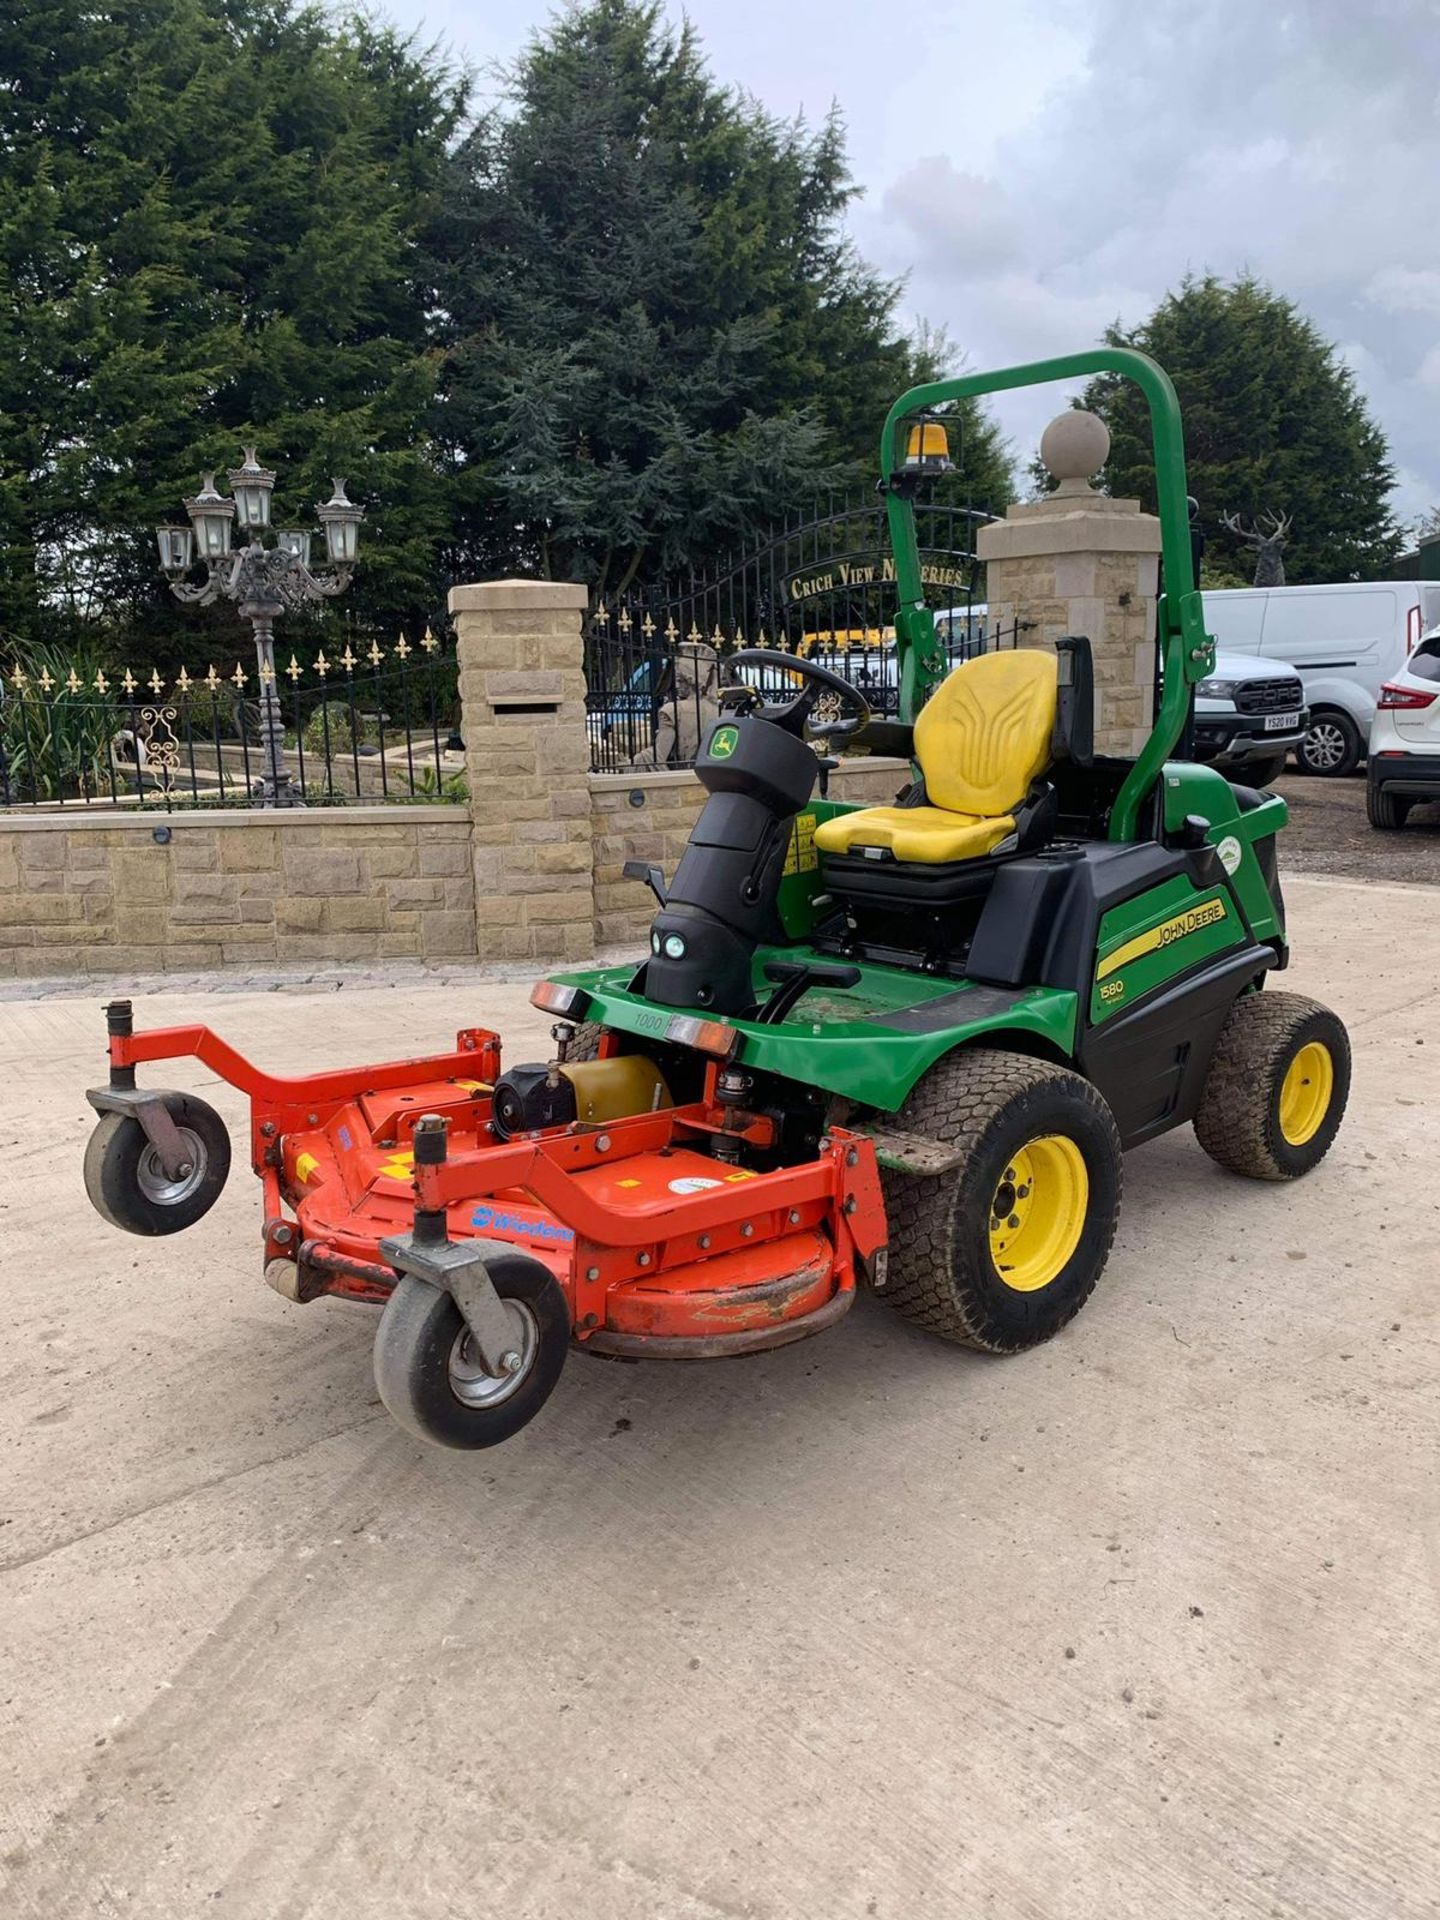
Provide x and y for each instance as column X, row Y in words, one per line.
column 648, row 816
column 527, row 754
column 102, row 893
column 530, row 871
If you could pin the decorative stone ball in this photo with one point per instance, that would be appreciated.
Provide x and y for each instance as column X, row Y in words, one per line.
column 1075, row 445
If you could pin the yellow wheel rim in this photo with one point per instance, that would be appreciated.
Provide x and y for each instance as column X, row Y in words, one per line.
column 1037, row 1212
column 1306, row 1092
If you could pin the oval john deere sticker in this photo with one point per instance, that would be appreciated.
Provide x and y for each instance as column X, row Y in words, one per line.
column 723, row 742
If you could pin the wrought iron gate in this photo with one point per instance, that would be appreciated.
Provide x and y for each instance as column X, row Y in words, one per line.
column 822, row 584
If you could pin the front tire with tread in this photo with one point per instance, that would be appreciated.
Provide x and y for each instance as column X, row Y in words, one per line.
column 942, row 1274
column 1238, row 1121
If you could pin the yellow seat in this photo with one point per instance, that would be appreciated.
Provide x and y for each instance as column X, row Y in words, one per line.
column 981, row 739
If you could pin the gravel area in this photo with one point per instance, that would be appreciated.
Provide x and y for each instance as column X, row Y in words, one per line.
column 1329, row 833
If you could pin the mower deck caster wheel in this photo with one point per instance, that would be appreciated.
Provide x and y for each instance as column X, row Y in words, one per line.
column 429, row 1372
column 128, row 1184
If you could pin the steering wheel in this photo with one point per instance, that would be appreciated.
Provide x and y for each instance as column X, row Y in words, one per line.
column 826, row 707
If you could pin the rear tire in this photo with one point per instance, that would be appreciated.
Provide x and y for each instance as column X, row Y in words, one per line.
column 1332, row 745
column 585, row 1041
column 1276, row 1090
column 1384, row 809
column 1005, row 1249
column 128, row 1186
column 429, row 1375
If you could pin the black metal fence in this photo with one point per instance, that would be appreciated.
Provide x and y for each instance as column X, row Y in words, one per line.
column 652, row 693
column 822, row 586
column 374, row 726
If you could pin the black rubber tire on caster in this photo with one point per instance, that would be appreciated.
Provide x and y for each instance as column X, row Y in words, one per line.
column 1036, row 1137
column 127, row 1184
column 1275, row 1093
column 1385, row 808
column 430, row 1378
column 1332, row 745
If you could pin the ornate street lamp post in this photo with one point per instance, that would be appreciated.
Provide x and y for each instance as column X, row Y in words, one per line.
column 263, row 580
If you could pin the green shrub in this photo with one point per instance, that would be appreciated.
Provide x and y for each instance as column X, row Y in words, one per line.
column 333, row 729
column 56, row 740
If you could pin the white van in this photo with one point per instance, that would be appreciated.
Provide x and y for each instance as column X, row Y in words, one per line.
column 1344, row 641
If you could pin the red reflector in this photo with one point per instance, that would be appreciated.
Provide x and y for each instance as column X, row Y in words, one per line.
column 551, row 996
column 1404, row 698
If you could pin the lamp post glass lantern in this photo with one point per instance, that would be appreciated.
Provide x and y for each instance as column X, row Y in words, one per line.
column 264, row 582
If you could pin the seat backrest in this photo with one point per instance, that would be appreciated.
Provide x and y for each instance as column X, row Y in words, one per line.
column 986, row 732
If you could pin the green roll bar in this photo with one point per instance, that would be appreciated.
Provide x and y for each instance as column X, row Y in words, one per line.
column 1187, row 651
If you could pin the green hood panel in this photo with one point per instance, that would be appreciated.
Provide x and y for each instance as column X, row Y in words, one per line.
column 871, row 1043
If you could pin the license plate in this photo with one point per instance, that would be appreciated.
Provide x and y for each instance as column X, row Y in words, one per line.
column 1281, row 722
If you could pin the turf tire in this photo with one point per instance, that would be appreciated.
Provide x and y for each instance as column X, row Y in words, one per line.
column 1238, row 1119
column 120, row 1166
column 941, row 1274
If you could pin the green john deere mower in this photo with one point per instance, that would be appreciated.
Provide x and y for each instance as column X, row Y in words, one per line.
column 904, row 1046
column 1033, row 960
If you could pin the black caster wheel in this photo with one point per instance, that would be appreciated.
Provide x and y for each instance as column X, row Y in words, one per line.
column 130, row 1188
column 429, row 1374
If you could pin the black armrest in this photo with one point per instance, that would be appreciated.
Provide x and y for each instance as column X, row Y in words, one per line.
column 885, row 737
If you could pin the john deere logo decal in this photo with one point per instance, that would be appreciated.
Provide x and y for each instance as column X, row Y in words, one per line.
column 1193, row 920
column 723, row 742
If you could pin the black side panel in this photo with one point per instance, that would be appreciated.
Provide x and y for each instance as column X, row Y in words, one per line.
column 1041, row 919
column 1150, row 1062
column 1103, row 878
column 1023, row 904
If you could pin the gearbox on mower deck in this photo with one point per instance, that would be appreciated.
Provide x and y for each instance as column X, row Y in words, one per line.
column 904, row 1044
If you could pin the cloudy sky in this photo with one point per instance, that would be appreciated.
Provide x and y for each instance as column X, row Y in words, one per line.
column 1036, row 168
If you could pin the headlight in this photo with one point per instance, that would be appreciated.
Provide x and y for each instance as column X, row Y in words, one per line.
column 1217, row 689
column 674, row 947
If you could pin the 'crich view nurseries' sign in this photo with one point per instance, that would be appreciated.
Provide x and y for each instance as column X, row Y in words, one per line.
column 877, row 570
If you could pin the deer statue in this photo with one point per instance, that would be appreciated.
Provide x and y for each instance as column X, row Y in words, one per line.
column 1269, row 547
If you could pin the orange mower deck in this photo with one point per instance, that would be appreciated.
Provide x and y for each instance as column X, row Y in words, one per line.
column 660, row 1248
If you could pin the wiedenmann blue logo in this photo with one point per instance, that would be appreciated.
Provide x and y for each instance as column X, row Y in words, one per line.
column 502, row 1222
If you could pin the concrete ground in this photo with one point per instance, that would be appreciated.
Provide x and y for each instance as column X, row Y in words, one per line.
column 1140, row 1624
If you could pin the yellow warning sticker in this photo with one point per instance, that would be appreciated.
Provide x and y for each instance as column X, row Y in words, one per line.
column 305, row 1165
column 800, row 856
column 400, row 1166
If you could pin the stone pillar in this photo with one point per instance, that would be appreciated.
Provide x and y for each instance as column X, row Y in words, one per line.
column 519, row 644
column 1080, row 562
